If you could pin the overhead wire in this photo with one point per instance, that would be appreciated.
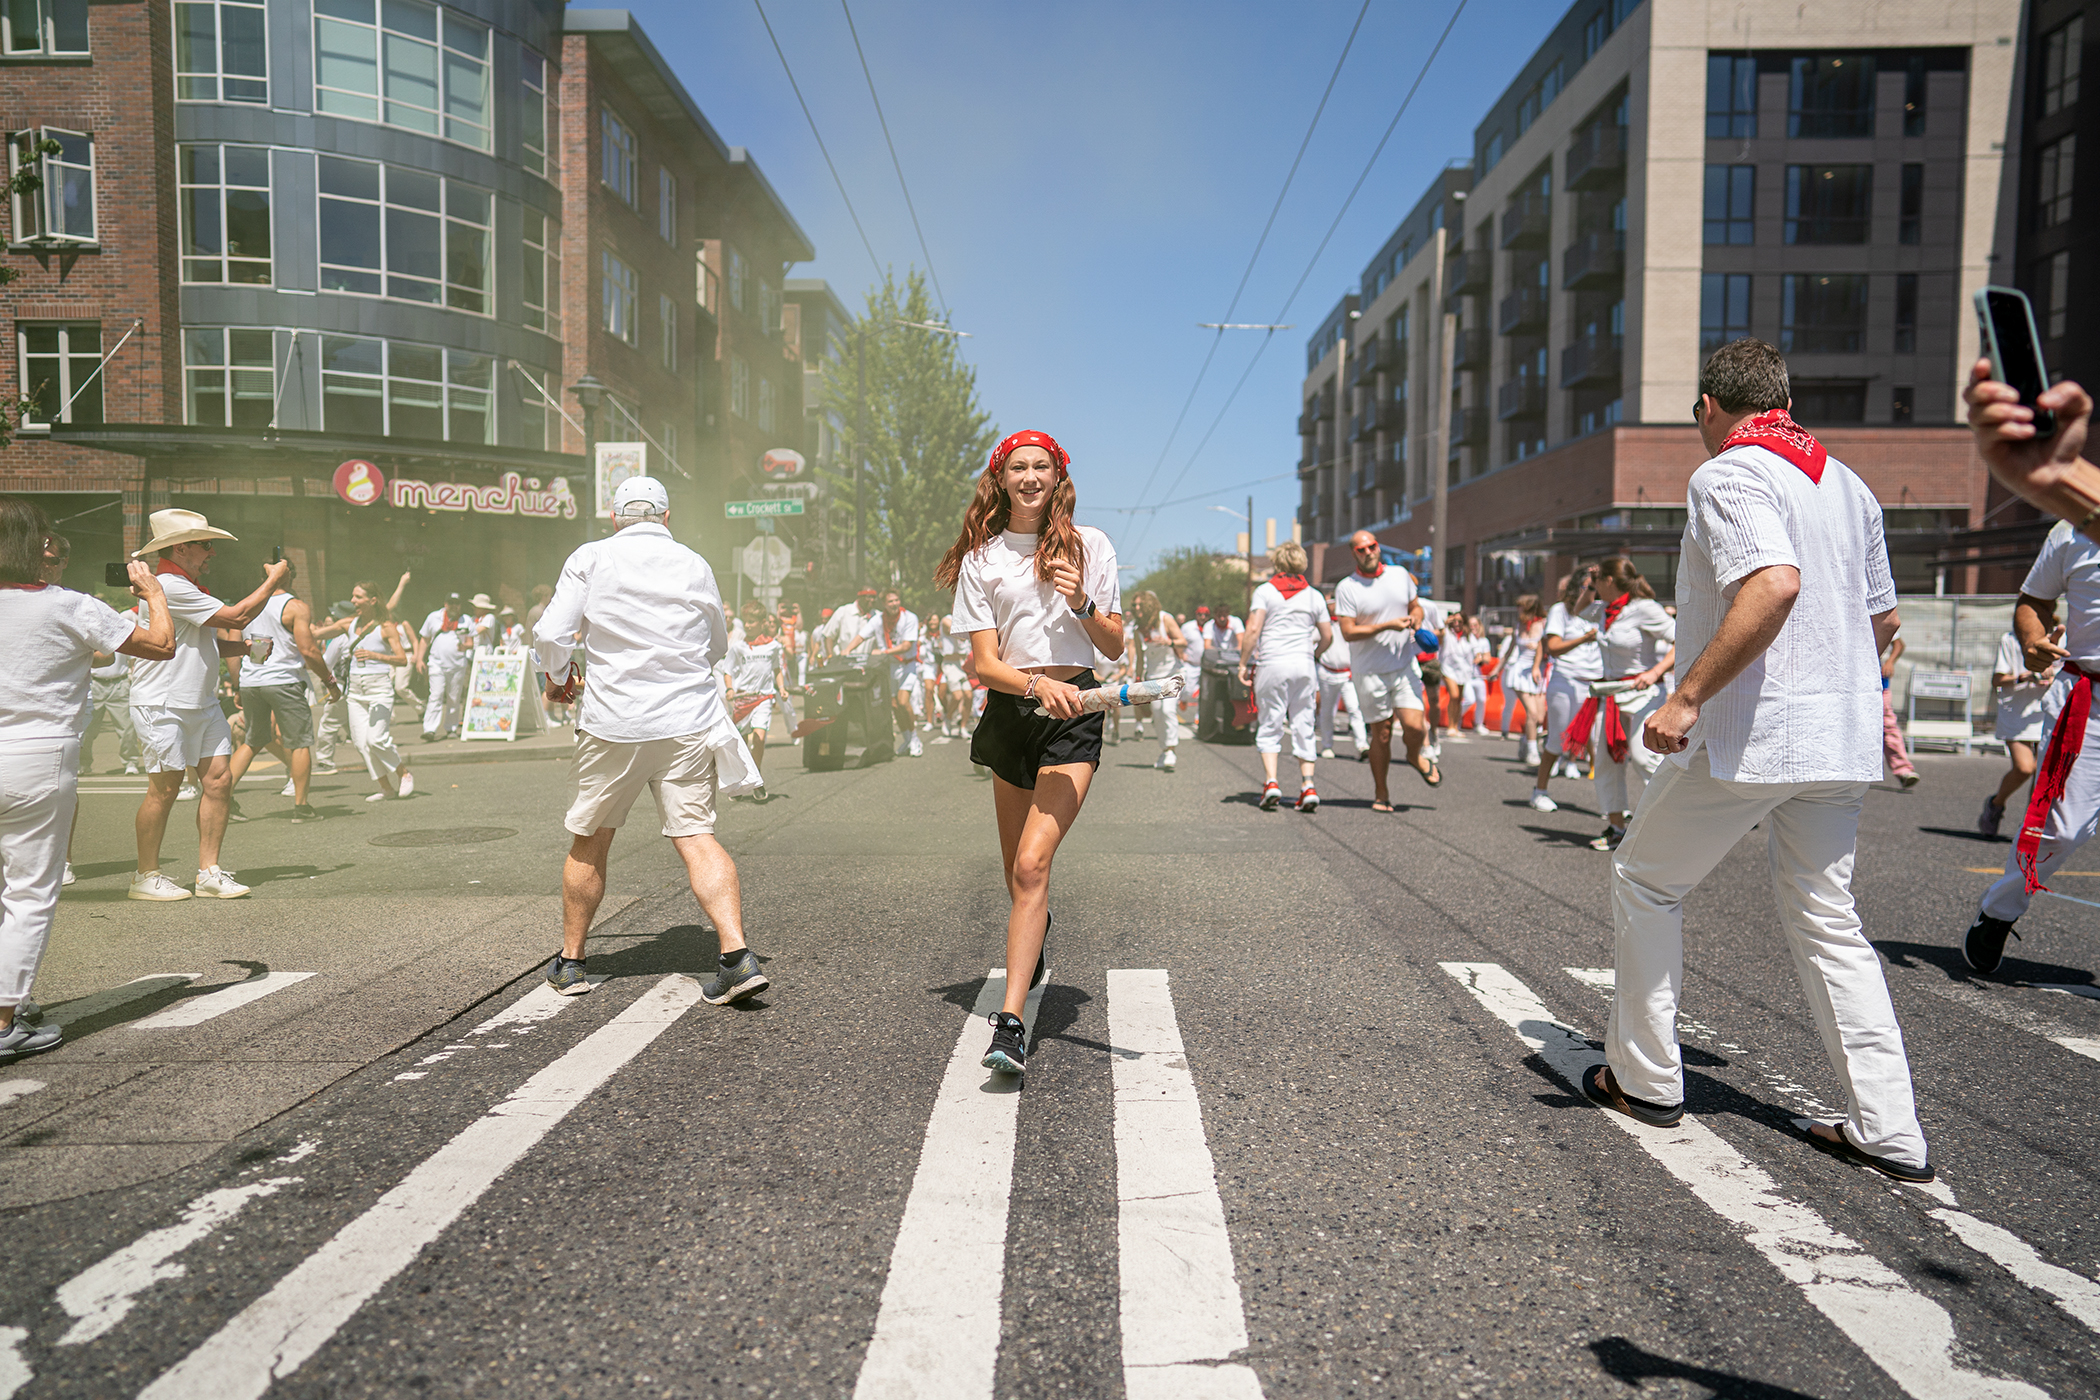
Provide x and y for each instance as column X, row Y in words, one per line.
column 828, row 164
column 897, row 164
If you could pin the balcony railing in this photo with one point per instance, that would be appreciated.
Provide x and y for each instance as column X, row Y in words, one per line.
column 1308, row 424
column 1524, row 309
column 1362, row 424
column 1597, row 158
column 1527, row 221
column 1522, row 397
column 1470, row 425
column 1468, row 273
column 1365, row 364
column 1392, row 416
column 1593, row 260
column 1470, row 349
column 1590, row 360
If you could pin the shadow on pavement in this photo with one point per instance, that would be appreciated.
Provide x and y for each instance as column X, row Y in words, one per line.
column 1626, row 1362
column 1971, row 834
column 1549, row 837
column 1950, row 961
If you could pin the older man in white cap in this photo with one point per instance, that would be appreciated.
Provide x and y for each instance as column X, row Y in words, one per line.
column 175, row 704
column 444, row 650
column 648, row 615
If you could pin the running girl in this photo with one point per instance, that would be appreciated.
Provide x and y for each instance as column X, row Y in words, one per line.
column 1520, row 677
column 1037, row 596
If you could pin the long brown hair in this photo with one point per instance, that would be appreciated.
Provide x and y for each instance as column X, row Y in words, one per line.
column 1528, row 606
column 1620, row 570
column 988, row 515
column 23, row 529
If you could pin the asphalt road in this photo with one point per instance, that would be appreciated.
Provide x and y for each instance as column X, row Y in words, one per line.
column 1295, row 1123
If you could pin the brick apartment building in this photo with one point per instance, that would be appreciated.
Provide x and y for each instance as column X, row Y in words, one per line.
column 1661, row 177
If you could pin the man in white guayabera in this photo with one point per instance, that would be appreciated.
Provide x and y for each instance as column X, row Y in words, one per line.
column 1785, row 602
column 648, row 616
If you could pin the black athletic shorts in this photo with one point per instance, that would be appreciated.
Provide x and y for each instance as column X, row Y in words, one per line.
column 1014, row 741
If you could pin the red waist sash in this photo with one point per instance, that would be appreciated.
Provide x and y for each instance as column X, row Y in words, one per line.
column 1617, row 742
column 2049, row 780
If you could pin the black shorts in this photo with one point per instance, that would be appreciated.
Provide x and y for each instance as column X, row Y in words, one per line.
column 1014, row 741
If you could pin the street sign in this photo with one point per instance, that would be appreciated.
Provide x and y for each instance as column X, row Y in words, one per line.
column 765, row 561
column 744, row 510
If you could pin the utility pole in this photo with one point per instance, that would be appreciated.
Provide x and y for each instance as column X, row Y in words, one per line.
column 1440, row 460
column 860, row 452
column 1250, row 553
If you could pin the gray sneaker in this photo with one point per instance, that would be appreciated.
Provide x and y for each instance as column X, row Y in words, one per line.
column 565, row 975
column 736, row 977
column 22, row 1039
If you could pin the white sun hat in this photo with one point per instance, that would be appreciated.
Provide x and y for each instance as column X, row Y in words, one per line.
column 173, row 527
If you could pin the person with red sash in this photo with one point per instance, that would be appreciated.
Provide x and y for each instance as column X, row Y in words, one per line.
column 1287, row 628
column 1639, row 645
column 1784, row 601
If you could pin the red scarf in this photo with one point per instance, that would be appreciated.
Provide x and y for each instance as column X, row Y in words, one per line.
column 1289, row 585
column 1776, row 431
column 27, row 587
column 169, row 566
column 1612, row 610
column 2049, row 780
column 1374, row 573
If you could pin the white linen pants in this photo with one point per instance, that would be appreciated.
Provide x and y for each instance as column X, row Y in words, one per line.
column 1564, row 697
column 1284, row 697
column 447, row 704
column 371, row 701
column 1687, row 822
column 39, row 784
column 331, row 727
column 2070, row 824
column 1336, row 689
column 1610, row 775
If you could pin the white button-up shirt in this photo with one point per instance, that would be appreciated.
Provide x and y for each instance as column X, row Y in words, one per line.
column 648, row 615
column 1809, row 709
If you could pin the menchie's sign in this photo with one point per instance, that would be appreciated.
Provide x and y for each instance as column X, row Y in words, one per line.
column 511, row 495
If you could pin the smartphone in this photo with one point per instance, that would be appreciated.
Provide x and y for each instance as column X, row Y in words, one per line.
column 117, row 574
column 277, row 554
column 2006, row 319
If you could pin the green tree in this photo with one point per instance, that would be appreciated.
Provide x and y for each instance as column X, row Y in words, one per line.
column 926, row 437
column 1190, row 574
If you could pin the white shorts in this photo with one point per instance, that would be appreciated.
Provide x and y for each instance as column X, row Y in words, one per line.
column 1380, row 693
column 952, row 675
column 679, row 773
column 1563, row 698
column 759, row 720
column 177, row 739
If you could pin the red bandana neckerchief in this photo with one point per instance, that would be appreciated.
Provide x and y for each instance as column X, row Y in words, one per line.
column 1617, row 742
column 1776, row 431
column 169, row 566
column 1289, row 585
column 26, row 587
column 2049, row 780
column 1374, row 573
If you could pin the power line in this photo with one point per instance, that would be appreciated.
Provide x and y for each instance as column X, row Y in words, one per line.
column 1199, row 496
column 899, row 165
column 877, row 262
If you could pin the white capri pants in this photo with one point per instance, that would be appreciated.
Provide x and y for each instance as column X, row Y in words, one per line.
column 447, row 705
column 1611, row 776
column 1169, row 721
column 1687, row 822
column 39, row 785
column 1563, row 698
column 371, row 701
column 1336, row 689
column 2070, row 824
column 1283, row 700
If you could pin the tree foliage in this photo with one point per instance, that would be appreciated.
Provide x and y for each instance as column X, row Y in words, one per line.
column 1190, row 574
column 926, row 437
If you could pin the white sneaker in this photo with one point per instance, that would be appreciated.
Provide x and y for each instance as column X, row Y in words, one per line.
column 1480, row 732
column 1327, row 752
column 918, row 749
column 188, row 793
column 1166, row 761
column 324, row 770
column 214, row 883
column 1560, row 767
column 1542, row 803
column 289, row 789
column 155, row 886
column 379, row 796
column 132, row 770
column 408, row 783
column 67, row 878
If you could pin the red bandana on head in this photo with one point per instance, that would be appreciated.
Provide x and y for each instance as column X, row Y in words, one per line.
column 1776, row 431
column 1028, row 437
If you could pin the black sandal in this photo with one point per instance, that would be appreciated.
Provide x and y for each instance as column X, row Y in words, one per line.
column 1434, row 776
column 1601, row 1087
column 1845, row 1149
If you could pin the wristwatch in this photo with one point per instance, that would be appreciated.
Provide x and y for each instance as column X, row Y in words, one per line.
column 1089, row 610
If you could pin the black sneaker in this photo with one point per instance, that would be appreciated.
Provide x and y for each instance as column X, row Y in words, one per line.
column 1610, row 840
column 1992, row 814
column 1009, row 1052
column 736, row 977
column 304, row 812
column 233, row 810
column 565, row 975
column 1983, row 946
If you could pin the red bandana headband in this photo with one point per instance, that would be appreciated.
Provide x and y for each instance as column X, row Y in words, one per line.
column 1028, row 437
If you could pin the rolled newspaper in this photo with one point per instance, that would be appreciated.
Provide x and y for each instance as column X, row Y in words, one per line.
column 1109, row 697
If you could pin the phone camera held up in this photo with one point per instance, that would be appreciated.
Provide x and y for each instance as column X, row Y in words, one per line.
column 116, row 574
column 2006, row 319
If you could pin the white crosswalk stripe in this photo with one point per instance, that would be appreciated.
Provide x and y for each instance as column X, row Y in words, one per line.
column 1902, row 1331
column 514, row 1022
column 195, row 1011
column 1997, row 1006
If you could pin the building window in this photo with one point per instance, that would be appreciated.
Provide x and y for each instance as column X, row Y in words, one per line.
column 1818, row 402
column 391, row 231
column 394, row 389
column 666, row 206
column 1724, row 309
column 736, row 279
column 537, row 115
column 1831, row 95
column 2059, row 295
column 668, row 440
column 766, row 397
column 739, row 387
column 59, row 204
column 225, row 213
column 1903, row 404
column 1730, row 200
column 2053, row 205
column 2062, row 51
column 1910, row 227
column 1594, row 33
column 542, row 273
column 1491, row 156
column 622, row 292
column 229, row 377
column 220, row 52
column 43, row 27
column 617, row 157
column 1906, row 341
column 1829, row 203
column 1822, row 315
column 667, row 320
column 1731, row 96
column 407, row 63
column 1914, row 95
column 60, row 378
column 768, row 306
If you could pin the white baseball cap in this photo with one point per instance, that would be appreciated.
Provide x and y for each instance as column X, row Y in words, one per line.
column 639, row 494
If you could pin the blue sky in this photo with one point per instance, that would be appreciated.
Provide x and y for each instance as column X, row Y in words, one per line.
column 1091, row 178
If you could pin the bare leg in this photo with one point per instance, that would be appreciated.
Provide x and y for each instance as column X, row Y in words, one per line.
column 215, row 787
column 582, row 887
column 2022, row 769
column 755, row 739
column 714, row 880
column 1268, row 766
column 151, row 824
column 302, row 766
column 1381, row 760
column 1414, row 730
column 1037, row 821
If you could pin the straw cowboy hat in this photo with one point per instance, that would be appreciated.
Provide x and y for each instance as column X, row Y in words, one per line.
column 173, row 527
column 484, row 602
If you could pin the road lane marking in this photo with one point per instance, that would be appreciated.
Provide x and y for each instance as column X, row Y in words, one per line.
column 276, row 1334
column 937, row 1332
column 81, row 1008
column 197, row 1010
column 1902, row 1331
column 13, row 1089
column 517, row 1020
column 14, row 1368
column 1998, row 1008
column 1181, row 1307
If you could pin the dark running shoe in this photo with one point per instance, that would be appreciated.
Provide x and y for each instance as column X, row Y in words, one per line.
column 565, row 975
column 1992, row 814
column 1983, row 946
column 736, row 977
column 233, row 810
column 1009, row 1052
column 1610, row 840
column 304, row 812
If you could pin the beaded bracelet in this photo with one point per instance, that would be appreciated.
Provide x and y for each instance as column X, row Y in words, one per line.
column 1029, row 692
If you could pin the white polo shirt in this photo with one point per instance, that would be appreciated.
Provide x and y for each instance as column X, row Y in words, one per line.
column 1381, row 599
column 1809, row 709
column 2069, row 568
column 1637, row 638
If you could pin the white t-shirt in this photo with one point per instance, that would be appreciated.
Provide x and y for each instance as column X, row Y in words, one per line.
column 1151, row 650
column 1584, row 663
column 751, row 664
column 191, row 680
column 2069, row 568
column 998, row 591
column 1221, row 641
column 445, row 640
column 881, row 635
column 1809, row 709
column 1637, row 639
column 1335, row 660
column 2019, row 708
column 1290, row 628
column 52, row 633
column 1382, row 599
column 1192, row 644
column 334, row 651
column 119, row 667
column 1459, row 655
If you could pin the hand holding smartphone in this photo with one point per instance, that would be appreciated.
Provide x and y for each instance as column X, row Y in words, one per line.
column 2006, row 320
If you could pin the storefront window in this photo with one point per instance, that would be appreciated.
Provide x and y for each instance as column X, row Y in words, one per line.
column 230, row 377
